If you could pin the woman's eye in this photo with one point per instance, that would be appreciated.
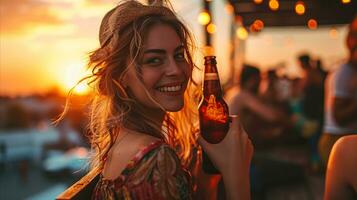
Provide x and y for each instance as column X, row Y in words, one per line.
column 180, row 56
column 153, row 61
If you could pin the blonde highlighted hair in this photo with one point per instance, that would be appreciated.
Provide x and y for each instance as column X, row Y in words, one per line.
column 122, row 33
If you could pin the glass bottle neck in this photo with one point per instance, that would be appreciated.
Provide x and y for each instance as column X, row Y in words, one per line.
column 211, row 84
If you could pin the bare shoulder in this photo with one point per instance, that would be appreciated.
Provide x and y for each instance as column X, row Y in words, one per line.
column 124, row 150
column 346, row 144
column 344, row 155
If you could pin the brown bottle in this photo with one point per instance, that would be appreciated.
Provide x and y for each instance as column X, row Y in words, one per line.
column 213, row 110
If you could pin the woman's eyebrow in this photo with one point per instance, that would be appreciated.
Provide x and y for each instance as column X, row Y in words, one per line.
column 180, row 47
column 160, row 51
column 163, row 51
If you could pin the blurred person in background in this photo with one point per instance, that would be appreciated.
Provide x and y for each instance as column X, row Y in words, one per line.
column 276, row 96
column 271, row 93
column 265, row 123
column 341, row 98
column 143, row 117
column 262, row 121
column 277, row 89
column 312, row 105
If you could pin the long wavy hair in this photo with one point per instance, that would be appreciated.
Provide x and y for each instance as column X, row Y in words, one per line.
column 122, row 34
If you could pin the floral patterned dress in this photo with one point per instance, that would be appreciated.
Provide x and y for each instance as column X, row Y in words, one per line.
column 154, row 173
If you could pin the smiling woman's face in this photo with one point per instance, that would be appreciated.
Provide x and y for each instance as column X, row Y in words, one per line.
column 164, row 70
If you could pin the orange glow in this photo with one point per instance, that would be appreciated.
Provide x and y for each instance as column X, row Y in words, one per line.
column 239, row 19
column 312, row 24
column 208, row 51
column 36, row 51
column 73, row 73
column 229, row 8
column 257, row 25
column 211, row 28
column 82, row 88
column 346, row 1
column 242, row 33
column 204, row 18
column 300, row 8
column 274, row 4
column 258, row 1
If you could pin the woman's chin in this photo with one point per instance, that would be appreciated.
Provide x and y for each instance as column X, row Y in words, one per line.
column 174, row 107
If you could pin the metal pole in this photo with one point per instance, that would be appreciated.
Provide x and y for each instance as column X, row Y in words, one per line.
column 207, row 7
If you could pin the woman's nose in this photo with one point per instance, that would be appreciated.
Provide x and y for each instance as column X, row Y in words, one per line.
column 174, row 68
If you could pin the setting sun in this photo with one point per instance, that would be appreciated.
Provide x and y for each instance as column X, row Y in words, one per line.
column 74, row 72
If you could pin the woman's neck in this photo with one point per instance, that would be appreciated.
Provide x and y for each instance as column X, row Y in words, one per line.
column 156, row 114
column 146, row 120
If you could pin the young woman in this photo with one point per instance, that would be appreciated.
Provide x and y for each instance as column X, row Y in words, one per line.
column 143, row 123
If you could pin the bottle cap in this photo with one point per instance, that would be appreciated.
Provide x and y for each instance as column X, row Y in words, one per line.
column 210, row 60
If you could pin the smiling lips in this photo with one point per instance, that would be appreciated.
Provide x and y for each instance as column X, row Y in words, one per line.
column 171, row 89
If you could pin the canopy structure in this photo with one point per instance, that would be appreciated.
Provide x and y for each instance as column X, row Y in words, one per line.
column 283, row 13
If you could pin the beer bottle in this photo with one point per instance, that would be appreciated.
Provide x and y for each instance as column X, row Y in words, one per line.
column 213, row 111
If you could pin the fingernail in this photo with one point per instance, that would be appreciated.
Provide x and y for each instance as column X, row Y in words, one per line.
column 231, row 118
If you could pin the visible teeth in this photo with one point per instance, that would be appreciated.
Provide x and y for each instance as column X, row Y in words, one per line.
column 170, row 89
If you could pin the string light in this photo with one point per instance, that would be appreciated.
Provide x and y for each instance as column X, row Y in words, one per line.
column 211, row 28
column 258, row 1
column 242, row 33
column 238, row 19
column 312, row 24
column 274, row 4
column 229, row 8
column 257, row 25
column 204, row 18
column 346, row 1
column 300, row 8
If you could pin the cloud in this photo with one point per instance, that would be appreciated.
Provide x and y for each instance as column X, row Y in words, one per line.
column 22, row 16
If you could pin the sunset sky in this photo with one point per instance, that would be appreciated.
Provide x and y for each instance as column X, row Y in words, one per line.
column 44, row 43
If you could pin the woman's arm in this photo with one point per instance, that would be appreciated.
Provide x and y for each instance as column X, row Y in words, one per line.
column 260, row 108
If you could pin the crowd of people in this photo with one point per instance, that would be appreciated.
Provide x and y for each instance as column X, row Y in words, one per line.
column 285, row 110
column 317, row 109
column 143, row 122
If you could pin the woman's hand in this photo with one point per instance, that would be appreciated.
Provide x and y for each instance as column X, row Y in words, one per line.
column 232, row 158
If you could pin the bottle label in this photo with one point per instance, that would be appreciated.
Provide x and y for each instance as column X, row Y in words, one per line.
column 215, row 110
column 211, row 76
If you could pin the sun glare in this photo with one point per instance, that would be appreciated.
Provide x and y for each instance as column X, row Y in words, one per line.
column 82, row 88
column 74, row 72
